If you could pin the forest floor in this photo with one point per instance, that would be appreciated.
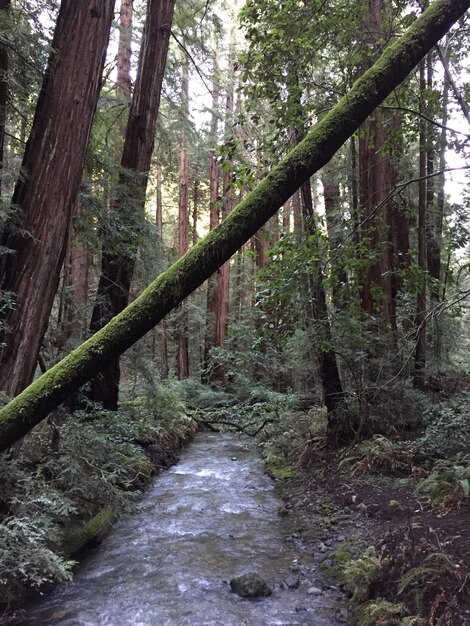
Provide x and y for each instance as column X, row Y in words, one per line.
column 373, row 536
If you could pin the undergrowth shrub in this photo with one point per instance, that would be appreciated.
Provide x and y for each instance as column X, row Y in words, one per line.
column 447, row 431
column 378, row 455
column 448, row 484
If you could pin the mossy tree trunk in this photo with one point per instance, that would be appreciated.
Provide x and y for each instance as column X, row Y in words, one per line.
column 171, row 287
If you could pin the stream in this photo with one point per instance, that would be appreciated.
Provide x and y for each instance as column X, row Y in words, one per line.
column 212, row 516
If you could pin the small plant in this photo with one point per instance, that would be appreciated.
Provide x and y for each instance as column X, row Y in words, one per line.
column 380, row 612
column 362, row 572
column 378, row 455
column 438, row 579
column 448, row 484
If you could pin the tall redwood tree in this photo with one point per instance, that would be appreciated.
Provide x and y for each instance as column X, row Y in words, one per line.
column 47, row 190
column 118, row 257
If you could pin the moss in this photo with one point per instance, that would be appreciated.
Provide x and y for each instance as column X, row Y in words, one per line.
column 92, row 531
column 341, row 557
column 280, row 469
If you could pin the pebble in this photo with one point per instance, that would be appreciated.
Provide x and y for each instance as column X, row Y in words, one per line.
column 322, row 547
column 314, row 591
column 341, row 537
column 291, row 582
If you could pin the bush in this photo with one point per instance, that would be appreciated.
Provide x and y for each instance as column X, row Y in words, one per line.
column 447, row 430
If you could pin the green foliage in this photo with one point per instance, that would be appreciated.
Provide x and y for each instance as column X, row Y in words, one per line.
column 30, row 532
column 378, row 455
column 26, row 558
column 380, row 612
column 361, row 572
column 448, row 484
column 447, row 430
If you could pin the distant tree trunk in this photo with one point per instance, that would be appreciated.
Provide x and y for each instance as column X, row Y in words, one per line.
column 213, row 282
column 124, row 56
column 75, row 280
column 356, row 219
column 420, row 353
column 377, row 177
column 435, row 263
column 297, row 211
column 183, row 222
column 159, row 208
column 286, row 216
column 339, row 429
column 53, row 163
column 20, row 415
column 436, row 219
column 4, row 18
column 161, row 330
column 331, row 194
column 227, row 206
column 128, row 199
column 195, row 215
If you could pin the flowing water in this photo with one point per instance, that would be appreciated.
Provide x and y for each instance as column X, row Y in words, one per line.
column 212, row 516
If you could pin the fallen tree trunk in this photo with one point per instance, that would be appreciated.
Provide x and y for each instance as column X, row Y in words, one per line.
column 173, row 286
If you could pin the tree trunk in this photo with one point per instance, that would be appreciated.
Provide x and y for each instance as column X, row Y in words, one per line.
column 76, row 279
column 213, row 282
column 183, row 222
column 161, row 330
column 170, row 288
column 436, row 220
column 117, row 268
column 53, row 163
column 420, row 353
column 4, row 19
column 124, row 56
column 331, row 194
column 297, row 211
column 377, row 177
column 227, row 206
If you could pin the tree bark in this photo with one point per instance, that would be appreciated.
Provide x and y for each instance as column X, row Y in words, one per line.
column 420, row 353
column 213, row 282
column 46, row 194
column 4, row 19
column 331, row 194
column 170, row 288
column 183, row 222
column 380, row 218
column 117, row 268
column 222, row 306
column 124, row 56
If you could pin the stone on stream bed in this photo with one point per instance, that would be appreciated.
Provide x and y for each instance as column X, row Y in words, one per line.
column 250, row 585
